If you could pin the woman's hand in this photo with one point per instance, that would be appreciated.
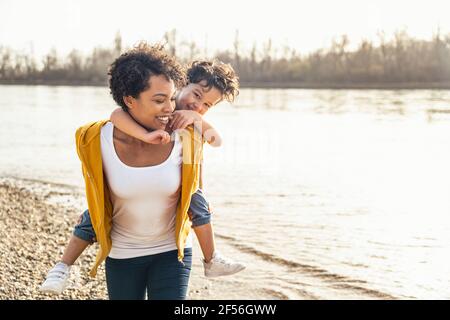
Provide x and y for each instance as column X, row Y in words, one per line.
column 157, row 137
column 182, row 118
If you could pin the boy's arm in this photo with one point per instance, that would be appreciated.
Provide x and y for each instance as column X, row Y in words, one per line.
column 211, row 135
column 182, row 118
column 125, row 123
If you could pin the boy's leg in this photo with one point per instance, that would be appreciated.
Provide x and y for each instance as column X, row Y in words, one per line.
column 214, row 263
column 201, row 223
column 83, row 236
column 74, row 249
column 205, row 236
column 57, row 278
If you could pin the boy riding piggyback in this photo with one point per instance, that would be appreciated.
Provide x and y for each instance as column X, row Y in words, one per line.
column 209, row 83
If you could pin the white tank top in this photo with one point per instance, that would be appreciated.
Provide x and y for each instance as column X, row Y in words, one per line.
column 144, row 201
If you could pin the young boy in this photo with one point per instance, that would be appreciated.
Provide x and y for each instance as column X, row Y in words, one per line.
column 208, row 84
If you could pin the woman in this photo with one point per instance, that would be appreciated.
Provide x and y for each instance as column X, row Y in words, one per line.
column 138, row 193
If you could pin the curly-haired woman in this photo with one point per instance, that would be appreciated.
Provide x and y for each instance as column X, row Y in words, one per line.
column 139, row 193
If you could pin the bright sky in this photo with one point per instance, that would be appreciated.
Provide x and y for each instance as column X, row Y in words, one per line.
column 305, row 25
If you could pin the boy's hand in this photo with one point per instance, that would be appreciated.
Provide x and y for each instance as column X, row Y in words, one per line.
column 157, row 137
column 182, row 118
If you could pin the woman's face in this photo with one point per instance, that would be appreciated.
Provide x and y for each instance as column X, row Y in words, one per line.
column 152, row 108
column 198, row 97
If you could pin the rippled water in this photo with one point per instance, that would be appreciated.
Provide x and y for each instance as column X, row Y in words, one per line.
column 343, row 192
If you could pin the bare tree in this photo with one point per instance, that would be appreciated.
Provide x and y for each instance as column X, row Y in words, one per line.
column 118, row 44
column 236, row 45
column 170, row 39
column 5, row 61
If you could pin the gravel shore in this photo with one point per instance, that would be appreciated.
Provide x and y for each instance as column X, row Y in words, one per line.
column 36, row 221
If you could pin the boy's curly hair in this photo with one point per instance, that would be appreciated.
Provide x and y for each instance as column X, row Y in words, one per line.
column 130, row 72
column 216, row 74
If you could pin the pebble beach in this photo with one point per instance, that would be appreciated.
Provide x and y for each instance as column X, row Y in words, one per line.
column 36, row 221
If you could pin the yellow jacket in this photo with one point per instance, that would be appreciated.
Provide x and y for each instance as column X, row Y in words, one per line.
column 98, row 196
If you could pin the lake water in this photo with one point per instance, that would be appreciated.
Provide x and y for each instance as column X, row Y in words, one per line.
column 348, row 190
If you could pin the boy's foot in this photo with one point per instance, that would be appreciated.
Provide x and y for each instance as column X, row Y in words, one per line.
column 57, row 279
column 221, row 266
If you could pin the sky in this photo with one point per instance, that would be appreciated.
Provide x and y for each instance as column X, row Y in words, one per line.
column 38, row 26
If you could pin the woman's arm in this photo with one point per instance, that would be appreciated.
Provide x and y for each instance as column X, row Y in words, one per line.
column 125, row 123
column 182, row 118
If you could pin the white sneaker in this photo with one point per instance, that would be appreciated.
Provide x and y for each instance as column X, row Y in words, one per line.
column 221, row 266
column 57, row 279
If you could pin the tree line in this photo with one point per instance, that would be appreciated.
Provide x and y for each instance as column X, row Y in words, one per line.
column 401, row 59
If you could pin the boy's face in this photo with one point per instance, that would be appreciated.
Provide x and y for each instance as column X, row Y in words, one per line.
column 197, row 97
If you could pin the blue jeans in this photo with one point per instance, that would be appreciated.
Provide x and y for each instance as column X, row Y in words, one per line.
column 160, row 275
column 199, row 214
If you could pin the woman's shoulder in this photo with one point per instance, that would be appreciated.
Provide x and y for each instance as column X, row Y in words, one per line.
column 87, row 132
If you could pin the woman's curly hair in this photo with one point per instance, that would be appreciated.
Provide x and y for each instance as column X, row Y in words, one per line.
column 216, row 74
column 130, row 72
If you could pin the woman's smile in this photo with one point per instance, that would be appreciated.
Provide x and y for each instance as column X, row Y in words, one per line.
column 164, row 120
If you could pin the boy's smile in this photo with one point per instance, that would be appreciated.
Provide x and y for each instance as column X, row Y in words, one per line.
column 198, row 97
